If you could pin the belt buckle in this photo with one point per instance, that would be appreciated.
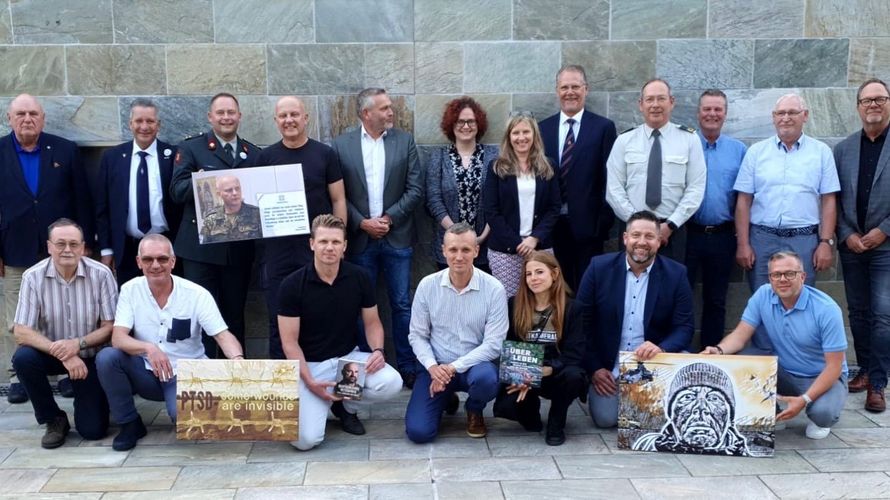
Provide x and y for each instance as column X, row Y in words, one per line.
column 710, row 229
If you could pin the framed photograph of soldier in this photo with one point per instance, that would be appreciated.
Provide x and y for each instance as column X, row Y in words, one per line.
column 350, row 379
column 689, row 403
column 237, row 400
column 250, row 203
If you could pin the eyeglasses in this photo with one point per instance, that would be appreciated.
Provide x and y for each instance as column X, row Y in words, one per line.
column 868, row 101
column 73, row 245
column 149, row 260
column 465, row 123
column 788, row 275
column 791, row 113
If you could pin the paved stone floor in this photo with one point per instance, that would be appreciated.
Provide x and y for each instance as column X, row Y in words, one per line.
column 853, row 462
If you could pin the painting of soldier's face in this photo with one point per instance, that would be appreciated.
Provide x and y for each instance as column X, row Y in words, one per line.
column 701, row 415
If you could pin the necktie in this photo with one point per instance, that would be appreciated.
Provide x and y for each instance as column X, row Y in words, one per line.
column 143, row 213
column 228, row 149
column 567, row 150
column 653, row 175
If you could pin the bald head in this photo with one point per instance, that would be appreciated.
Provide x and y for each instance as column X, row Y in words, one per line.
column 292, row 121
column 228, row 187
column 26, row 117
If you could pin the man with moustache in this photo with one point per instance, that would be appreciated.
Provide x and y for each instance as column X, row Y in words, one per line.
column 221, row 268
column 325, row 194
column 806, row 330
column 384, row 186
column 631, row 301
column 133, row 192
column 658, row 166
column 41, row 180
column 710, row 233
column 863, row 224
column 580, row 141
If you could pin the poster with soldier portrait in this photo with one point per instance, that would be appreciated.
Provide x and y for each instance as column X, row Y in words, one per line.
column 690, row 403
column 250, row 203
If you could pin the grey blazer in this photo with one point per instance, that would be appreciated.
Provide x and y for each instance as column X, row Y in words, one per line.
column 846, row 157
column 402, row 186
column 441, row 192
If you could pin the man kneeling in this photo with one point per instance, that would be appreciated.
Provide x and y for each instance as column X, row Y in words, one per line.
column 319, row 308
column 158, row 321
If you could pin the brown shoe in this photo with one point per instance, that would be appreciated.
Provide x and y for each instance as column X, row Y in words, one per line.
column 476, row 425
column 874, row 401
column 859, row 382
column 56, row 432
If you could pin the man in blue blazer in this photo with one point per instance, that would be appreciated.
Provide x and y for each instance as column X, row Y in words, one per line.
column 631, row 301
column 384, row 186
column 132, row 192
column 41, row 181
column 579, row 142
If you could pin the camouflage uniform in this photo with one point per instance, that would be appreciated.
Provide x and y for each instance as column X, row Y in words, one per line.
column 244, row 225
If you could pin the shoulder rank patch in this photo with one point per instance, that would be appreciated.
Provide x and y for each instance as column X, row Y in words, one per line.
column 626, row 131
column 194, row 136
column 686, row 128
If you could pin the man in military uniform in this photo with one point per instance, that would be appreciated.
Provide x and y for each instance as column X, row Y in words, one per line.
column 658, row 166
column 221, row 268
column 234, row 220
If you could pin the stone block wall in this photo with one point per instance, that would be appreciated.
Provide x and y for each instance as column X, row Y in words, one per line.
column 87, row 59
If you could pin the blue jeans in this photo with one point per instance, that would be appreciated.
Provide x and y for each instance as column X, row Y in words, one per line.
column 396, row 266
column 90, row 406
column 714, row 254
column 424, row 413
column 867, row 283
column 123, row 375
column 766, row 244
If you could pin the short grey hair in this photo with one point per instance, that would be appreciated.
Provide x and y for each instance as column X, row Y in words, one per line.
column 143, row 102
column 459, row 228
column 159, row 238
column 786, row 254
column 365, row 99
column 803, row 103
column 574, row 68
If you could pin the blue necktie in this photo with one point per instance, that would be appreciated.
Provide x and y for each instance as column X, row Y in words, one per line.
column 143, row 213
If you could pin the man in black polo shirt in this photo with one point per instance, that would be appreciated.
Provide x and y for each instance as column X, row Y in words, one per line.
column 319, row 307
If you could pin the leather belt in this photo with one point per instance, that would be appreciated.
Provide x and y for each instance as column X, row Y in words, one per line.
column 789, row 231
column 719, row 228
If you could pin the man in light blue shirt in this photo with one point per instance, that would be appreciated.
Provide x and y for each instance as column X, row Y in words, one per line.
column 786, row 197
column 710, row 238
column 806, row 330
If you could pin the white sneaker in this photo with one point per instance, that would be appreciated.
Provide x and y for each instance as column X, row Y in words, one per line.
column 816, row 432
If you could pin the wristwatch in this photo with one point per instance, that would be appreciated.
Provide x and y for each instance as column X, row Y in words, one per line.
column 83, row 343
column 830, row 241
column 807, row 398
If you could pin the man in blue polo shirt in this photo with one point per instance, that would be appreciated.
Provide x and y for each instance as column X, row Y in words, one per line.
column 710, row 237
column 807, row 334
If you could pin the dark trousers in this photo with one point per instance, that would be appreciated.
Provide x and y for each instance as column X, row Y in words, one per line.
column 714, row 255
column 124, row 375
column 228, row 285
column 90, row 406
column 867, row 283
column 573, row 254
column 561, row 388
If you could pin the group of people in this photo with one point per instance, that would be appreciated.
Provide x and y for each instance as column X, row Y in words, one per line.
column 521, row 227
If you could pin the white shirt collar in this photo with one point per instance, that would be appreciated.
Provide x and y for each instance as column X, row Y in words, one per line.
column 577, row 117
column 152, row 148
column 365, row 134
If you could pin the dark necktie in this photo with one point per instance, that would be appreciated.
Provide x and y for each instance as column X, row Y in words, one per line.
column 143, row 213
column 653, row 175
column 228, row 149
column 567, row 150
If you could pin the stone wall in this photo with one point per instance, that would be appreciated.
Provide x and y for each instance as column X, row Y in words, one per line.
column 88, row 58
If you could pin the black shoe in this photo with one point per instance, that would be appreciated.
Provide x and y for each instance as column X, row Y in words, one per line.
column 349, row 422
column 130, row 434
column 555, row 437
column 453, row 404
column 66, row 388
column 56, row 432
column 532, row 424
column 556, row 423
column 408, row 379
column 16, row 394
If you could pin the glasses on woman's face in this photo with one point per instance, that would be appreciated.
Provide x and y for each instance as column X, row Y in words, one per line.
column 465, row 123
column 788, row 275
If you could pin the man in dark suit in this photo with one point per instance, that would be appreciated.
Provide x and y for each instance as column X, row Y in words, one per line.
column 384, row 185
column 222, row 268
column 863, row 223
column 579, row 142
column 631, row 301
column 133, row 192
column 41, row 181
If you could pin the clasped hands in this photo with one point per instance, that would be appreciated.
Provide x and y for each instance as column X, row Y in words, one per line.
column 66, row 351
column 376, row 227
column 441, row 376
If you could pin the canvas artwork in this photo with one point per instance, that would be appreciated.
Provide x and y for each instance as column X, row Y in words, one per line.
column 690, row 403
column 244, row 400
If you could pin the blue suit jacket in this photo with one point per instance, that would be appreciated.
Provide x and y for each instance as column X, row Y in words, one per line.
column 668, row 321
column 113, row 200
column 585, row 188
column 62, row 191
column 500, row 199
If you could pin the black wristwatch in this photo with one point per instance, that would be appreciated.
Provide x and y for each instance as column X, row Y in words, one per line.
column 382, row 352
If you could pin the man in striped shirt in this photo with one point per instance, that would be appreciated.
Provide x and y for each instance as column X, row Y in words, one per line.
column 64, row 315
